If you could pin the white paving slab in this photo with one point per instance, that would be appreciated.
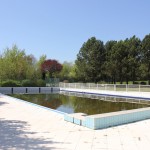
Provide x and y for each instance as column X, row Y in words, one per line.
column 24, row 127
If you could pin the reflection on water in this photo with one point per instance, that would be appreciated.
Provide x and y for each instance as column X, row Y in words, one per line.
column 78, row 102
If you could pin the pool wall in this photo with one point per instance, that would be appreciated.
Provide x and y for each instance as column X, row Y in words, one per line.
column 28, row 90
column 33, row 104
column 98, row 121
column 106, row 120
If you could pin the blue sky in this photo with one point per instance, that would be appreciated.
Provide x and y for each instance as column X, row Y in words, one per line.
column 58, row 28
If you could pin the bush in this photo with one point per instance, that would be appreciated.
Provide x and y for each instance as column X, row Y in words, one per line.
column 40, row 83
column 135, row 82
column 10, row 83
column 143, row 83
column 102, row 82
column 28, row 83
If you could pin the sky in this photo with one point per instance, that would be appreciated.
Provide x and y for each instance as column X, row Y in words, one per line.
column 58, row 28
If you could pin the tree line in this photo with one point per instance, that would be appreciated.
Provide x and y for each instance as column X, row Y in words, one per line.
column 16, row 65
column 19, row 69
column 115, row 61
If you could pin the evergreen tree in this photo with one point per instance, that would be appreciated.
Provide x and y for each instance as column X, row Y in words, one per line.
column 90, row 61
column 146, row 54
column 110, row 65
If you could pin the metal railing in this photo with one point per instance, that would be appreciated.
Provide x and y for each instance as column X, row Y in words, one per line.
column 107, row 87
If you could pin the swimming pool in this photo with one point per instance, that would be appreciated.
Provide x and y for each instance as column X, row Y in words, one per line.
column 74, row 102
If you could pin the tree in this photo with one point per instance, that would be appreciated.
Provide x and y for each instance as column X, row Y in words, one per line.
column 123, row 59
column 134, row 48
column 68, row 71
column 51, row 67
column 146, row 54
column 110, row 65
column 39, row 72
column 117, row 60
column 31, row 69
column 90, row 61
column 14, row 63
column 2, row 67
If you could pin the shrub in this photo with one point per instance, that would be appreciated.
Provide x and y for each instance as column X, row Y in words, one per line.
column 143, row 83
column 135, row 82
column 102, row 82
column 40, row 83
column 28, row 83
column 10, row 83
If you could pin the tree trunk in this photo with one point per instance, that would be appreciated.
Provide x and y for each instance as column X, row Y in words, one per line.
column 127, row 81
column 114, row 79
column 120, row 75
column 133, row 76
column 121, row 80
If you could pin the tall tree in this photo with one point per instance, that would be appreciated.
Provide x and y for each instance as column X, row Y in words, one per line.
column 90, row 60
column 31, row 69
column 134, row 48
column 110, row 65
column 41, row 60
column 119, row 56
column 146, row 54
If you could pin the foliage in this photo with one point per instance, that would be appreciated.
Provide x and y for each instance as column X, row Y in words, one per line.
column 28, row 83
column 51, row 67
column 10, row 83
column 134, row 47
column 143, row 83
column 15, row 64
column 68, row 72
column 124, row 60
column 40, row 83
column 90, row 60
column 38, row 66
column 112, row 62
column 146, row 55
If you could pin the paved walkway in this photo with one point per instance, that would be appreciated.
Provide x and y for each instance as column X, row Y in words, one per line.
column 24, row 126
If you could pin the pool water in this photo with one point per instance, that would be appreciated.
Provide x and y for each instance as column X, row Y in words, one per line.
column 68, row 103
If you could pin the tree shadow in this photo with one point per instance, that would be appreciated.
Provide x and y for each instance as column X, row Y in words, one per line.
column 3, row 103
column 13, row 134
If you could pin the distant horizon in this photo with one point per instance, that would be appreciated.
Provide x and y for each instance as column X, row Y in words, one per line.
column 58, row 29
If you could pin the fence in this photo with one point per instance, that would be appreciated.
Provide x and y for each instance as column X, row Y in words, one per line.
column 52, row 82
column 107, row 87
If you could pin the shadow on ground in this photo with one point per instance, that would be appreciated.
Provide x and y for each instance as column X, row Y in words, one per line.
column 13, row 135
column 3, row 103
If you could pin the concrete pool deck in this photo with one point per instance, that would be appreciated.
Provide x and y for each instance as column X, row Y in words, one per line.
column 25, row 126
